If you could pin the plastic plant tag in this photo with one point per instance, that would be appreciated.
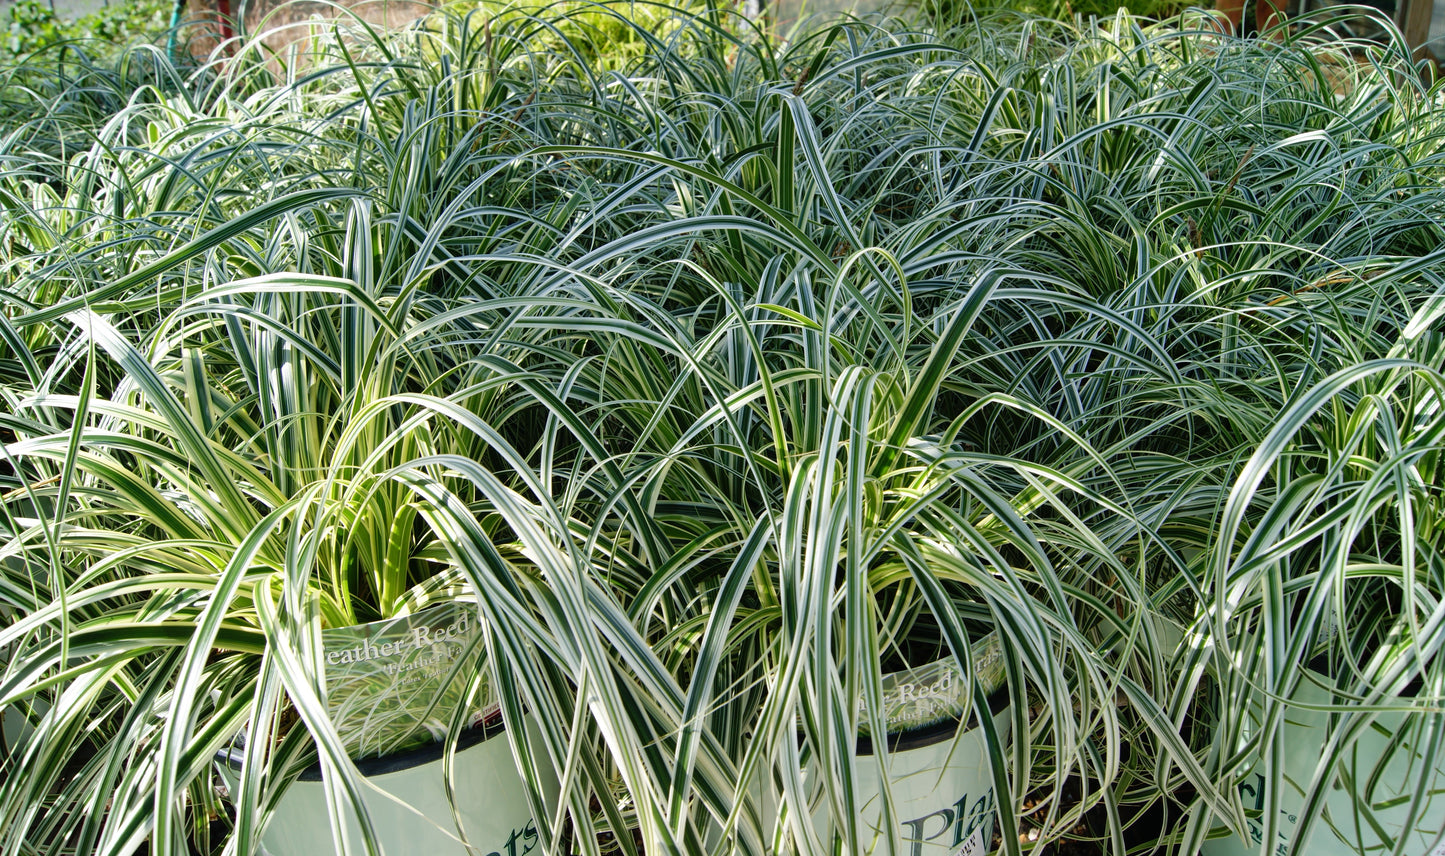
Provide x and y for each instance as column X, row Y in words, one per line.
column 930, row 695
column 395, row 684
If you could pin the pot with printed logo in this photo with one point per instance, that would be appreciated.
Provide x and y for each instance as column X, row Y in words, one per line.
column 937, row 760
column 395, row 690
column 273, row 553
column 1385, row 794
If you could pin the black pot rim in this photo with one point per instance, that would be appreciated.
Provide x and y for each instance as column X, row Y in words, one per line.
column 395, row 762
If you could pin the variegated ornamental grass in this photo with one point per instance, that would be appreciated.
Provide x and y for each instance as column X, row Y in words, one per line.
column 724, row 377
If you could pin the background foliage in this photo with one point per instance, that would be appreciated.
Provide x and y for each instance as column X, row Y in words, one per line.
column 31, row 25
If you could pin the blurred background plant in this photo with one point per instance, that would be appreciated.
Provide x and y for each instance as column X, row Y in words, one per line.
column 945, row 14
column 33, row 25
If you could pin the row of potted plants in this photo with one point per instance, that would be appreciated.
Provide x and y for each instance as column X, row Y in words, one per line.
column 887, row 441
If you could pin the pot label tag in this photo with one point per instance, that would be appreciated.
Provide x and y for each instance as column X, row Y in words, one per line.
column 937, row 692
column 397, row 683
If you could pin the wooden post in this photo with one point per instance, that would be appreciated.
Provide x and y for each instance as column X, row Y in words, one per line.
column 1268, row 13
column 1233, row 13
column 1415, row 24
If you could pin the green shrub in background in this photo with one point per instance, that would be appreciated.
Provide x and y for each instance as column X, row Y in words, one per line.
column 944, row 14
column 603, row 36
column 33, row 25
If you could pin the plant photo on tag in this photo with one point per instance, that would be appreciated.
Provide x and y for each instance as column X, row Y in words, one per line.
column 395, row 684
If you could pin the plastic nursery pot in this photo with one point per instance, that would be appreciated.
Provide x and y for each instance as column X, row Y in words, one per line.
column 16, row 718
column 938, row 769
column 14, row 727
column 392, row 689
column 406, row 798
column 1368, row 800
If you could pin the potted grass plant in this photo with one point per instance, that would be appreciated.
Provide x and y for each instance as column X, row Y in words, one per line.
column 1327, row 606
column 227, row 562
column 842, row 553
column 819, row 459
column 279, row 433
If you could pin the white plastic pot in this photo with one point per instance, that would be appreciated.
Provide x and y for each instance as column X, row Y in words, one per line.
column 16, row 726
column 942, row 787
column 393, row 688
column 937, row 769
column 1359, row 818
column 407, row 802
